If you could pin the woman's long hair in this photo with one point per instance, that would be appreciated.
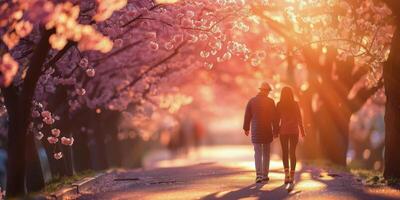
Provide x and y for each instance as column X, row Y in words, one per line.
column 287, row 102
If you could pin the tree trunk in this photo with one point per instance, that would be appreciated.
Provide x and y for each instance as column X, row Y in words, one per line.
column 34, row 174
column 80, row 151
column 391, row 72
column 16, row 166
column 16, row 181
column 311, row 149
column 334, row 137
column 99, row 147
column 58, row 104
column 110, row 123
column 68, row 161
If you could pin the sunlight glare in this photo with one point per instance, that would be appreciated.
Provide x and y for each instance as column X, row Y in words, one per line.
column 325, row 177
column 310, row 185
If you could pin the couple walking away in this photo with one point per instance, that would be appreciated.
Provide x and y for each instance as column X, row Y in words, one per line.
column 267, row 122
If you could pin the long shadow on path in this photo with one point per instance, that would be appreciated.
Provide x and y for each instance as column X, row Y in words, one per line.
column 253, row 190
column 339, row 185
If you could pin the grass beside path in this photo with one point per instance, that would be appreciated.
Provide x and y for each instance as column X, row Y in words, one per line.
column 59, row 182
column 367, row 176
column 374, row 178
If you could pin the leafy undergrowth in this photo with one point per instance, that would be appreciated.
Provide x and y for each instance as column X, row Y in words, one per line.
column 367, row 176
column 60, row 182
column 375, row 178
column 370, row 177
column 57, row 183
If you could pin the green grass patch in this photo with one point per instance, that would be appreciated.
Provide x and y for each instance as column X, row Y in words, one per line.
column 369, row 177
column 59, row 182
column 394, row 182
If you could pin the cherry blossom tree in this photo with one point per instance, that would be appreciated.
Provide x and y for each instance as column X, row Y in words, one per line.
column 338, row 42
column 29, row 32
column 103, row 59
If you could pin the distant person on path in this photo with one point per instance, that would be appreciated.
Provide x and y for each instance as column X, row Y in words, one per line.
column 261, row 114
column 291, row 124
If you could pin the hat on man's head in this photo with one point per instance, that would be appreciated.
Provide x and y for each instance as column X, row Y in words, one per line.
column 265, row 86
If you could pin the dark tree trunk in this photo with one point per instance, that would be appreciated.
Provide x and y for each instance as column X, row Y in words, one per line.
column 311, row 149
column 333, row 136
column 391, row 73
column 336, row 108
column 68, row 161
column 64, row 166
column 114, row 153
column 17, row 135
column 80, row 151
column 67, row 165
column 49, row 148
column 110, row 122
column 34, row 173
column 16, row 181
column 58, row 104
column 99, row 145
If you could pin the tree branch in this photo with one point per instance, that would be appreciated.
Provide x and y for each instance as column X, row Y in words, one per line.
column 140, row 77
column 118, row 51
column 363, row 95
column 153, row 19
column 141, row 15
column 358, row 74
column 59, row 55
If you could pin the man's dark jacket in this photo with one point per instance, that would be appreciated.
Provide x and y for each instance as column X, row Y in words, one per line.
column 261, row 113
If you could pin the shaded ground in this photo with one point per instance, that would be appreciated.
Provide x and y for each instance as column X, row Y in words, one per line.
column 226, row 172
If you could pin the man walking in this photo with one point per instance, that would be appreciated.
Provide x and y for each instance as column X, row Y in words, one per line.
column 262, row 115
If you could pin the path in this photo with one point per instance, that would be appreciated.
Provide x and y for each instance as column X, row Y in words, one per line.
column 226, row 172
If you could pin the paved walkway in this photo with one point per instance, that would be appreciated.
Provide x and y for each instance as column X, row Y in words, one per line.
column 226, row 172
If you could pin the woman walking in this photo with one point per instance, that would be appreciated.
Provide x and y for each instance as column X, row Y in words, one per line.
column 291, row 126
